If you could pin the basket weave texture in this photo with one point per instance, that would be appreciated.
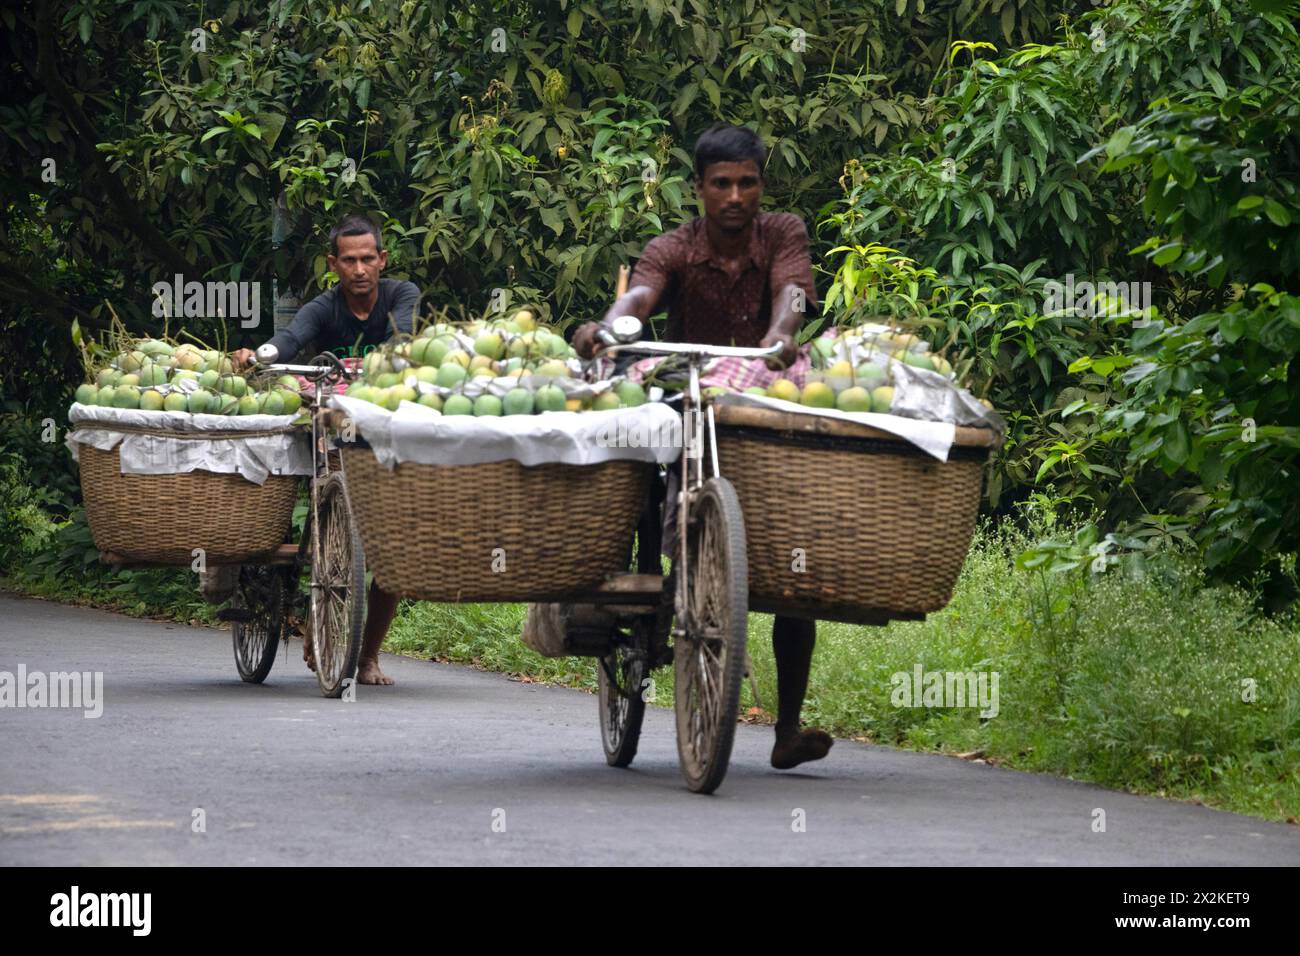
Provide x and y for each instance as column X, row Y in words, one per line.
column 161, row 519
column 498, row 531
column 881, row 530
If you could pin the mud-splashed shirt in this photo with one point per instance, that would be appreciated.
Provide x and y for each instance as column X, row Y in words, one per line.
column 709, row 304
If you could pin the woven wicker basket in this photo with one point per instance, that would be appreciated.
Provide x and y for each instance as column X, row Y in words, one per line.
column 882, row 528
column 494, row 532
column 161, row 519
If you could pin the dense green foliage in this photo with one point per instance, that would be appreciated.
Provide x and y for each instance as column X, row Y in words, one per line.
column 1030, row 172
column 954, row 160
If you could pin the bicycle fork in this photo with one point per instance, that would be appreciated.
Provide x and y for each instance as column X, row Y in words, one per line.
column 695, row 438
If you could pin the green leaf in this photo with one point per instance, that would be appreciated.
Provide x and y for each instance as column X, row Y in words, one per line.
column 1180, row 166
column 1277, row 213
column 1119, row 142
column 1232, row 326
column 1167, row 253
column 1029, row 175
column 1068, row 204
column 272, row 124
column 215, row 131
column 958, row 259
column 1176, row 442
column 1216, row 81
column 714, row 94
column 1030, row 122
column 1249, row 202
column 574, row 22
column 551, row 217
column 85, row 23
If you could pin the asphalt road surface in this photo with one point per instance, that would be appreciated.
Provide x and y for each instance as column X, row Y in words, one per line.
column 456, row 766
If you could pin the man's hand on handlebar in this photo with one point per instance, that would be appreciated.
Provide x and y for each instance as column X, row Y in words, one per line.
column 242, row 358
column 789, row 350
column 585, row 341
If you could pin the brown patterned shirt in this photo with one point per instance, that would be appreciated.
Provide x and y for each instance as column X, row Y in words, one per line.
column 709, row 305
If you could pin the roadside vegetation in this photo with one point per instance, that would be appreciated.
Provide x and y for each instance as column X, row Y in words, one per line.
column 1142, row 677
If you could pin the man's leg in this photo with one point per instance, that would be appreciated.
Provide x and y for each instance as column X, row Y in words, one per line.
column 793, row 640
column 381, row 608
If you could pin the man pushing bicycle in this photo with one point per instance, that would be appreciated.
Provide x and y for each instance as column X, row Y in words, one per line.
column 741, row 277
column 363, row 309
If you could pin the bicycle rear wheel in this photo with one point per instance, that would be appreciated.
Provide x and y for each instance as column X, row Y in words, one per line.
column 256, row 619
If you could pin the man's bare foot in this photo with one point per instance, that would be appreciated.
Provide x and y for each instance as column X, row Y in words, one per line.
column 794, row 749
column 308, row 654
column 368, row 672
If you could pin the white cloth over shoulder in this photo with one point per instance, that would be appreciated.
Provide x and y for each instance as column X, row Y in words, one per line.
column 416, row 433
column 255, row 457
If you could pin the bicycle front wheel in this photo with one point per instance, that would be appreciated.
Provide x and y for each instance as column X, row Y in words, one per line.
column 338, row 594
column 709, row 657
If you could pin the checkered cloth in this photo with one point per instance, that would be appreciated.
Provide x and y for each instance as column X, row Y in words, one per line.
column 340, row 387
column 734, row 374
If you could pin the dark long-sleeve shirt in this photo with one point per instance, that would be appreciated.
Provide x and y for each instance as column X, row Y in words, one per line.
column 328, row 322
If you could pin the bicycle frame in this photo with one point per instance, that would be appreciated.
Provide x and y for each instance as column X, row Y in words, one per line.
column 698, row 431
column 320, row 376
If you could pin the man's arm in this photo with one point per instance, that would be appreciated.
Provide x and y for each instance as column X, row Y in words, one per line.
column 649, row 279
column 406, row 303
column 305, row 327
column 793, row 290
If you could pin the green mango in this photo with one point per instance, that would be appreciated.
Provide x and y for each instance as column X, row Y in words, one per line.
column 273, row 403
column 630, row 393
column 518, row 401
column 291, row 400
column 487, row 404
column 202, row 402
column 549, row 398
column 126, row 398
column 457, row 405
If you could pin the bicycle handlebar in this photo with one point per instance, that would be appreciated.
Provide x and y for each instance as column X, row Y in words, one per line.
column 265, row 360
column 624, row 335
column 681, row 348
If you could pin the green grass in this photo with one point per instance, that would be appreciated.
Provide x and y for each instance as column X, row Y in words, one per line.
column 166, row 594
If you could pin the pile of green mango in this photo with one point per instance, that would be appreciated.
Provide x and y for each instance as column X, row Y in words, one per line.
column 154, row 375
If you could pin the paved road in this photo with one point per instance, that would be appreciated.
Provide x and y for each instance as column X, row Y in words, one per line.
column 418, row 773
